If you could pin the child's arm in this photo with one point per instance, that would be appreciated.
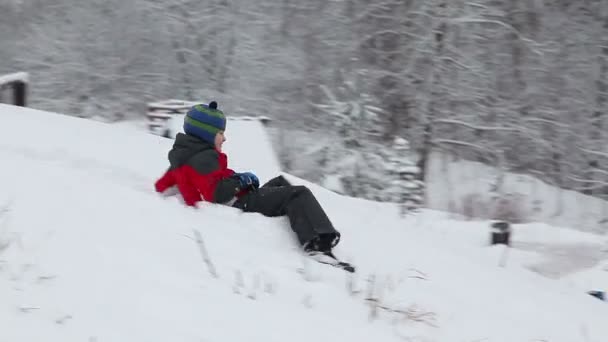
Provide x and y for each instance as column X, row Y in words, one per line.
column 165, row 182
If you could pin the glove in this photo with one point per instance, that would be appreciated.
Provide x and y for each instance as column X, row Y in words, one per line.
column 247, row 180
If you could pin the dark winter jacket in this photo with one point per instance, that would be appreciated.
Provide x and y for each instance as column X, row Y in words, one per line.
column 198, row 169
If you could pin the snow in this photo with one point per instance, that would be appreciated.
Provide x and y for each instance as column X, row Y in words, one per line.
column 451, row 182
column 409, row 169
column 17, row 76
column 333, row 183
column 88, row 252
column 173, row 104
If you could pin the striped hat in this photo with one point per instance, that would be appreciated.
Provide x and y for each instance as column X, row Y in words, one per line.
column 204, row 121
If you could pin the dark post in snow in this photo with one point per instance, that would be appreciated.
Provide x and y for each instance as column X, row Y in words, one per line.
column 20, row 93
column 501, row 233
column 18, row 84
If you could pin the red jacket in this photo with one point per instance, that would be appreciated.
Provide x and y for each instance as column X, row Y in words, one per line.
column 199, row 171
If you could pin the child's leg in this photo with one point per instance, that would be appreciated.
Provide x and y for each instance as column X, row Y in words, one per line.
column 276, row 181
column 306, row 216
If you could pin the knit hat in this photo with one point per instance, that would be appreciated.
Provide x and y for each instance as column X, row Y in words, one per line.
column 204, row 121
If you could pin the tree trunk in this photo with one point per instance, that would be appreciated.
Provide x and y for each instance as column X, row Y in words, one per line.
column 440, row 30
column 597, row 142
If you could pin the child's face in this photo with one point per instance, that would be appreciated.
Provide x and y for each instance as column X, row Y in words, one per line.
column 219, row 140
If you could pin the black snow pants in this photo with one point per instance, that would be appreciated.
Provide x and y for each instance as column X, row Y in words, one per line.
column 307, row 218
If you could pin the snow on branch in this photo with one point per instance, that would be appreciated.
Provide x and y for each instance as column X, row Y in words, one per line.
column 463, row 143
column 368, row 37
column 591, row 184
column 475, row 4
column 420, row 13
column 590, row 181
column 457, row 63
column 547, row 121
column 596, row 153
column 532, row 134
column 472, row 126
column 600, row 171
column 474, row 20
column 510, row 128
column 368, row 12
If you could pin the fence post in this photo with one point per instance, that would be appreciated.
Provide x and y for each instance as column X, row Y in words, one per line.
column 18, row 84
column 20, row 93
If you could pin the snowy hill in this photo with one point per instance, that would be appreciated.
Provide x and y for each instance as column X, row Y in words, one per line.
column 455, row 184
column 88, row 252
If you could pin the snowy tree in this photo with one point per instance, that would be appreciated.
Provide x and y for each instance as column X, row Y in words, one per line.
column 353, row 115
column 352, row 111
column 406, row 187
column 526, row 78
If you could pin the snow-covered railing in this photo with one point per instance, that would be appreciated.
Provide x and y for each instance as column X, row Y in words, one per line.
column 161, row 111
column 17, row 83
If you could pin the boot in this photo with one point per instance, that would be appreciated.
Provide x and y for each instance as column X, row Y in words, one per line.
column 322, row 243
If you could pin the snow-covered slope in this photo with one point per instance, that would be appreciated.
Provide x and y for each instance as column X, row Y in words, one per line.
column 88, row 252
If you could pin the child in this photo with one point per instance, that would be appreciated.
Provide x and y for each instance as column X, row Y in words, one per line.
column 199, row 169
